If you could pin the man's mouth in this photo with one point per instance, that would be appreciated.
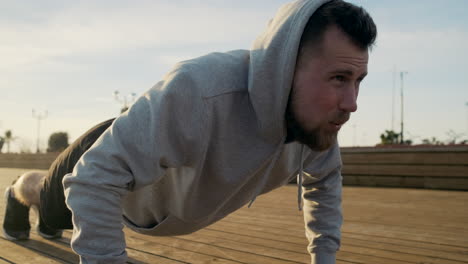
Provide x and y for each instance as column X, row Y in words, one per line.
column 339, row 120
column 335, row 125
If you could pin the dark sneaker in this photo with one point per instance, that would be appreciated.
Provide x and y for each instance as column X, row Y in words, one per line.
column 46, row 232
column 16, row 221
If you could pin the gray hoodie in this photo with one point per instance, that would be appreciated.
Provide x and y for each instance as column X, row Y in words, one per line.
column 202, row 143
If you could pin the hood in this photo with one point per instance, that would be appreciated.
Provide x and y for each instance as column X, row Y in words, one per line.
column 272, row 63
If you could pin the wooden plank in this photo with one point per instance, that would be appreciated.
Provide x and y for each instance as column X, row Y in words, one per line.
column 262, row 249
column 388, row 255
column 135, row 255
column 3, row 261
column 405, row 205
column 398, row 181
column 258, row 232
column 366, row 258
column 180, row 250
column 53, row 249
column 251, row 240
column 412, row 224
column 405, row 233
column 429, row 245
column 366, row 228
column 441, row 183
column 429, row 158
column 446, row 183
column 24, row 253
column 381, row 225
column 199, row 250
column 404, row 246
column 295, row 228
column 297, row 231
column 27, row 161
column 406, row 170
column 406, row 149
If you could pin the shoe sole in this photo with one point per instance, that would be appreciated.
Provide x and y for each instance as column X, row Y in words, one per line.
column 10, row 238
column 46, row 236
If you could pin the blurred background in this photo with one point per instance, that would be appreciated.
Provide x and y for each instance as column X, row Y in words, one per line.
column 67, row 65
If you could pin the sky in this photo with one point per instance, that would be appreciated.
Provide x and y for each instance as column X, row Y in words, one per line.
column 65, row 59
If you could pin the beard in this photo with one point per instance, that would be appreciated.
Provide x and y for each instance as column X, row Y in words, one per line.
column 317, row 139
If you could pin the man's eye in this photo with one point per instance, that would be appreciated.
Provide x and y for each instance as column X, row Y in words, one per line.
column 339, row 78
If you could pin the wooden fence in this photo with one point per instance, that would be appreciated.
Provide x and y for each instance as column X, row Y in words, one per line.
column 27, row 161
column 435, row 167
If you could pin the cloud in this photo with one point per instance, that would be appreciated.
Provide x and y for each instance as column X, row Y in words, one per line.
column 82, row 29
column 422, row 50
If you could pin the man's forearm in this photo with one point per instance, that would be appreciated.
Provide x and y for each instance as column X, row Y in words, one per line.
column 97, row 218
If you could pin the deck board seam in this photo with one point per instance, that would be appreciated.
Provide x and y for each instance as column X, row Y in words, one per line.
column 217, row 246
column 6, row 260
column 254, row 244
column 41, row 252
column 406, row 253
column 208, row 228
column 183, row 249
column 154, row 254
column 412, row 240
column 367, row 255
column 413, row 247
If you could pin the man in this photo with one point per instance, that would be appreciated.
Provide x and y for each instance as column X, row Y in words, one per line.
column 220, row 130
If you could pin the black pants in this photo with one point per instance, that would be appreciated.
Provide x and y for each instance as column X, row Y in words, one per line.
column 53, row 210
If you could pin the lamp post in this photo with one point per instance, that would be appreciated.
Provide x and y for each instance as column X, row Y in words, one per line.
column 402, row 74
column 393, row 96
column 466, row 104
column 39, row 117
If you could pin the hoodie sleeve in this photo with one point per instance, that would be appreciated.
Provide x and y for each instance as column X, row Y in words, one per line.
column 161, row 130
column 322, row 188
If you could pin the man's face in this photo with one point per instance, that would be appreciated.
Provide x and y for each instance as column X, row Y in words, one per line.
column 325, row 89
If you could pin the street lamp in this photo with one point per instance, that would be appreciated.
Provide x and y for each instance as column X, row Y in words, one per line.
column 402, row 74
column 39, row 117
column 466, row 104
column 393, row 97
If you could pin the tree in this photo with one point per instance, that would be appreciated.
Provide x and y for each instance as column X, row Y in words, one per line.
column 390, row 137
column 432, row 141
column 58, row 141
column 7, row 139
column 453, row 137
column 2, row 141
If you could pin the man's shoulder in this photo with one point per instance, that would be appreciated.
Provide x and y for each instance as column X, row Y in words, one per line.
column 217, row 73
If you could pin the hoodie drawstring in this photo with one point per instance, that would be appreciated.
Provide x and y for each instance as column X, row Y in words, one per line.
column 267, row 172
column 300, row 178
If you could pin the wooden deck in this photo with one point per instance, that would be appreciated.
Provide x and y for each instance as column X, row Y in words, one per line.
column 382, row 225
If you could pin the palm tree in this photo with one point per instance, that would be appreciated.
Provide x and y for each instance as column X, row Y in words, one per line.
column 1, row 143
column 8, row 138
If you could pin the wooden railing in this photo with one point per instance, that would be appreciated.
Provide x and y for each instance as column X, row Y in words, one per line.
column 436, row 167
column 27, row 161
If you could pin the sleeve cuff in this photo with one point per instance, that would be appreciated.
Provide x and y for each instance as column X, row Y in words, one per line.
column 323, row 257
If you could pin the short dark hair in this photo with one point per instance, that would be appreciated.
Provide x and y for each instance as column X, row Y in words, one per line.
column 351, row 19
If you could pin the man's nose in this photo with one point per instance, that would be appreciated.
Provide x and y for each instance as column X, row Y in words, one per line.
column 348, row 101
